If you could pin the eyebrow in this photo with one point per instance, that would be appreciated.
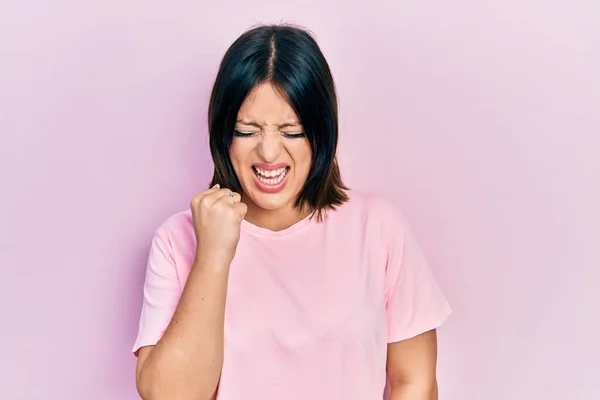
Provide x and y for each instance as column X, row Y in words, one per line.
column 257, row 125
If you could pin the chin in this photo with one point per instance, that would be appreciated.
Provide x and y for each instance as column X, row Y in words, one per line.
column 268, row 201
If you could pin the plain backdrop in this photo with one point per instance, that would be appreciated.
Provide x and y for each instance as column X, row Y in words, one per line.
column 480, row 119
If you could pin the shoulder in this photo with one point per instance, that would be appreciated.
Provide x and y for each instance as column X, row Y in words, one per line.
column 372, row 213
column 372, row 206
column 177, row 229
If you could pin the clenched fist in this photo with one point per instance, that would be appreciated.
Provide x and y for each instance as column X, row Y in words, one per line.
column 217, row 216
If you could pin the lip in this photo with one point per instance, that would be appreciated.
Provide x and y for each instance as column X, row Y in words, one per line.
column 270, row 167
column 270, row 188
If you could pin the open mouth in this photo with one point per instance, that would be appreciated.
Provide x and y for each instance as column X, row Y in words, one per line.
column 270, row 177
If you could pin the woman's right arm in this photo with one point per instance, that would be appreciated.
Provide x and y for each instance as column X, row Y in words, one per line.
column 185, row 364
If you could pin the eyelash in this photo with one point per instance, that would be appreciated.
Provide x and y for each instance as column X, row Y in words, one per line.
column 287, row 135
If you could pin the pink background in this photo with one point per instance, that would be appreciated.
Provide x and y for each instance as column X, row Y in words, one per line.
column 481, row 119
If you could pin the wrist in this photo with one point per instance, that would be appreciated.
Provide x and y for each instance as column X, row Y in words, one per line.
column 213, row 260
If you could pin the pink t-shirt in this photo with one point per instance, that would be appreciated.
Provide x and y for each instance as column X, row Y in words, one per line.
column 310, row 309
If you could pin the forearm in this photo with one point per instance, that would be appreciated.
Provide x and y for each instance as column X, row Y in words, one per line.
column 186, row 363
column 414, row 391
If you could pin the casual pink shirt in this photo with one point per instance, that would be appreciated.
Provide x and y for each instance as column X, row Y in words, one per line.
column 310, row 309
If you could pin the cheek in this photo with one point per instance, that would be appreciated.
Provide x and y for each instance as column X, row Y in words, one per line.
column 304, row 157
column 238, row 152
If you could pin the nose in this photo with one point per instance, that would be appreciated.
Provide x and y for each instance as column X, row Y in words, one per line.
column 270, row 146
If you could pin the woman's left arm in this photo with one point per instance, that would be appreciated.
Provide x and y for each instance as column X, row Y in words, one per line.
column 411, row 368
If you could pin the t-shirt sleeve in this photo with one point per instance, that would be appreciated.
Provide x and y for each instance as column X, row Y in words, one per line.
column 162, row 291
column 415, row 303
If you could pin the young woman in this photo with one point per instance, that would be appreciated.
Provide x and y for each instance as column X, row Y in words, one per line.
column 280, row 282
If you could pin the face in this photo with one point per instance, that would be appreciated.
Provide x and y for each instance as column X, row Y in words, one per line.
column 269, row 152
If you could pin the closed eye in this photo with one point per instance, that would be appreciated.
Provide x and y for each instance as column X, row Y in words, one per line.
column 243, row 134
column 287, row 135
column 294, row 135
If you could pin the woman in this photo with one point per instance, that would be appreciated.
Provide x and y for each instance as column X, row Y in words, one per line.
column 280, row 282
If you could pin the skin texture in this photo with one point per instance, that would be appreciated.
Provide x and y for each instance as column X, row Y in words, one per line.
column 186, row 363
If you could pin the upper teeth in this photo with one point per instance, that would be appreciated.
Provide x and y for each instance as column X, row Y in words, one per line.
column 272, row 173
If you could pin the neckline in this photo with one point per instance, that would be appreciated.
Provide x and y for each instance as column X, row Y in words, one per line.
column 296, row 227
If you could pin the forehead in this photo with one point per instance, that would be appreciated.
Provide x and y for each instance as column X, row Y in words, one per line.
column 266, row 105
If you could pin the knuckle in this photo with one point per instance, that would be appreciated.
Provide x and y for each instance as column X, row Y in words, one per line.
column 203, row 201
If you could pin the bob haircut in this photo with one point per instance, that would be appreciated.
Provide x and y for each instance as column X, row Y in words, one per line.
column 289, row 58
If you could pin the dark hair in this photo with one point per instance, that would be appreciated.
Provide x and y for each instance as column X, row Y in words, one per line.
column 289, row 58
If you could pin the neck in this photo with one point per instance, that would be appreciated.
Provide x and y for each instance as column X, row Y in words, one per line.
column 274, row 220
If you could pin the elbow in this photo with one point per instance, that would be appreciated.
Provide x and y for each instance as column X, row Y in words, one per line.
column 416, row 389
column 145, row 388
column 149, row 387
